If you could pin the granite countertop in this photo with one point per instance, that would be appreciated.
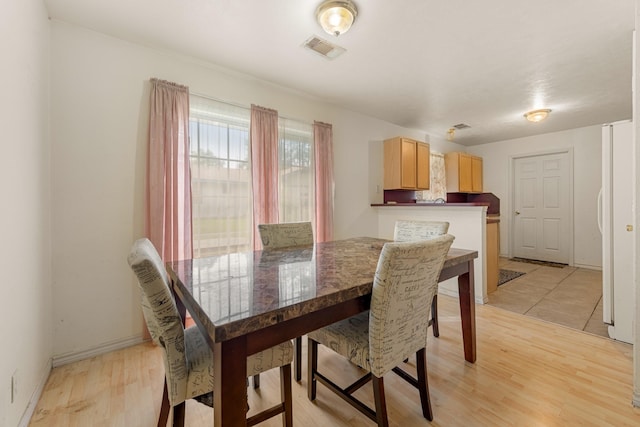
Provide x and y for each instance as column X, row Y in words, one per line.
column 420, row 204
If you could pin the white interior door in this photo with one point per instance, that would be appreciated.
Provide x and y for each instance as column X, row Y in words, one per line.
column 541, row 216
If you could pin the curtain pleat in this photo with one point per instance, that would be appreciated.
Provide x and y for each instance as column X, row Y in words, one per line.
column 264, row 168
column 168, row 175
column 323, row 146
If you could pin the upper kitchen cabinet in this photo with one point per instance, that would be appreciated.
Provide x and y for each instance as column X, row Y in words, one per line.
column 406, row 164
column 464, row 173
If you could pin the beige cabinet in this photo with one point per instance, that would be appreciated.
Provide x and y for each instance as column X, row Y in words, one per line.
column 463, row 172
column 406, row 164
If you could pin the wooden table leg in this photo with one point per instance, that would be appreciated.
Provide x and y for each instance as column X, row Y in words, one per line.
column 466, row 296
column 230, row 387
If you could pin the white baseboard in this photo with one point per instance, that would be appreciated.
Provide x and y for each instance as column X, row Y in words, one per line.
column 35, row 396
column 97, row 350
column 588, row 267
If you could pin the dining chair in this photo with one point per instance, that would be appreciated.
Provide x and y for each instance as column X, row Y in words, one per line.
column 411, row 230
column 395, row 327
column 277, row 236
column 188, row 359
column 287, row 234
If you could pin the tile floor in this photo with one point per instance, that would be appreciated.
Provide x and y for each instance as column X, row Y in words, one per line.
column 568, row 296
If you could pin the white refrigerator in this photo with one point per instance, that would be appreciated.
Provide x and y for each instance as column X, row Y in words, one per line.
column 616, row 221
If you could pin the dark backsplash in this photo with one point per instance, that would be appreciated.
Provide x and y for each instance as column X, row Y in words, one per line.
column 494, row 202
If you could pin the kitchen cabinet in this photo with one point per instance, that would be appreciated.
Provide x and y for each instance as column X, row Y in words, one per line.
column 406, row 164
column 463, row 172
column 492, row 254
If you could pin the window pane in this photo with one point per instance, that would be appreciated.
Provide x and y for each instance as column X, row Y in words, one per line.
column 296, row 171
column 220, row 177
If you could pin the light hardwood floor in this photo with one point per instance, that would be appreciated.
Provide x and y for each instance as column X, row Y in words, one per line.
column 529, row 373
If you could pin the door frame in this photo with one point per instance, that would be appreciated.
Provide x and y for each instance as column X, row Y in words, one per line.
column 511, row 201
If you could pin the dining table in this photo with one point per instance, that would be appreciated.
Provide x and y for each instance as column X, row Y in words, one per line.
column 246, row 302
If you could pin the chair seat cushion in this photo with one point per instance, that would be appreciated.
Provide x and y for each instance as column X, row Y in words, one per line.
column 349, row 338
column 273, row 357
column 200, row 361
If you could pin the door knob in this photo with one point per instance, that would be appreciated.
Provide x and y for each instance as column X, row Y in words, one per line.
column 629, row 227
column 517, row 212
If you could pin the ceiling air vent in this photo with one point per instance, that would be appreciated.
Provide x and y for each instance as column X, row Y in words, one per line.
column 323, row 47
column 461, row 126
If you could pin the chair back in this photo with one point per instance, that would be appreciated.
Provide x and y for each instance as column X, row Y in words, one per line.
column 405, row 282
column 284, row 235
column 408, row 230
column 161, row 315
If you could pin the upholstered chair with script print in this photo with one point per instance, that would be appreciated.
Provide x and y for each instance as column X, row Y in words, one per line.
column 188, row 359
column 395, row 327
column 410, row 230
column 287, row 234
column 277, row 236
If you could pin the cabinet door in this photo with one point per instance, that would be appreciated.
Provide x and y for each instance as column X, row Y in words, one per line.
column 491, row 255
column 409, row 163
column 423, row 166
column 476, row 174
column 465, row 175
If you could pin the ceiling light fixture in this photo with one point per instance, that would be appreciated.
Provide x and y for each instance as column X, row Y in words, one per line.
column 537, row 115
column 336, row 17
column 450, row 134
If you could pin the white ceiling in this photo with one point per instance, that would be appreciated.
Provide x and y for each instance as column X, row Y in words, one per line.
column 421, row 64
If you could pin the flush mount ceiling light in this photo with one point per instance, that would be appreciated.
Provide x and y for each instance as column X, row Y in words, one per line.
column 537, row 115
column 451, row 134
column 336, row 17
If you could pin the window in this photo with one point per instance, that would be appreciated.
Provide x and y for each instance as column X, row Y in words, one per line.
column 221, row 175
column 296, row 180
column 438, row 186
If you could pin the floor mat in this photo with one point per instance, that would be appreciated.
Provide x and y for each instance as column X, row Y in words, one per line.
column 507, row 275
column 535, row 261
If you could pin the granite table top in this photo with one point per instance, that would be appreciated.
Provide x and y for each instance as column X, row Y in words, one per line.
column 235, row 294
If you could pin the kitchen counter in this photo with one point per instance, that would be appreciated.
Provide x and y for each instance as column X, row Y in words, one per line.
column 467, row 222
column 420, row 204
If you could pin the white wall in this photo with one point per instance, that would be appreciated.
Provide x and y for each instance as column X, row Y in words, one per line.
column 100, row 96
column 587, row 170
column 25, row 253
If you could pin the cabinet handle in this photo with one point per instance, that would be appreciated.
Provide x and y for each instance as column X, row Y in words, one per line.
column 517, row 212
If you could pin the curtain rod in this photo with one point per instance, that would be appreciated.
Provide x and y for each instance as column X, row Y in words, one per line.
column 234, row 104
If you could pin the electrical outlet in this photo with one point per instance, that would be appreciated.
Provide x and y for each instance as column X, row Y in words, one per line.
column 14, row 386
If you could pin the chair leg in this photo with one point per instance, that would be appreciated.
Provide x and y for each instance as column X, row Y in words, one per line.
column 381, row 404
column 286, row 395
column 297, row 345
column 178, row 415
column 165, row 407
column 423, row 384
column 312, row 367
column 434, row 316
column 256, row 381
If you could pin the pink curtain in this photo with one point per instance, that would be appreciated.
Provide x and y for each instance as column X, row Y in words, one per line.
column 264, row 165
column 168, row 175
column 323, row 146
